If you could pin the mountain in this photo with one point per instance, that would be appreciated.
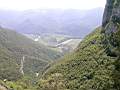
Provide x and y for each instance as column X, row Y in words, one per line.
column 71, row 22
column 95, row 64
column 22, row 60
column 20, row 56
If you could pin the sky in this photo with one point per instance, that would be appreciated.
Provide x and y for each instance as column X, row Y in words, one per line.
column 48, row 4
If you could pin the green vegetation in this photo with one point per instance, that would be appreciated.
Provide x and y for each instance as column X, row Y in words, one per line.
column 89, row 67
column 54, row 82
column 21, row 84
column 13, row 46
column 113, row 47
column 94, row 65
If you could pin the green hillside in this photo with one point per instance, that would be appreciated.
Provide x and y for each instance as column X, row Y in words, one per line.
column 95, row 64
column 13, row 47
column 88, row 68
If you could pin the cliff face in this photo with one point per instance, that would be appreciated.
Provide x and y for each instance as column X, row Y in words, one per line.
column 111, row 30
column 107, row 12
column 112, row 12
column 111, row 27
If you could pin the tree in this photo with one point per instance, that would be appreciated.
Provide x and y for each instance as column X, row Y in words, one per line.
column 53, row 82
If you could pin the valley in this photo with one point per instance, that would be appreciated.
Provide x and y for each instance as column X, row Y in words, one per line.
column 58, row 42
column 60, row 49
column 27, row 56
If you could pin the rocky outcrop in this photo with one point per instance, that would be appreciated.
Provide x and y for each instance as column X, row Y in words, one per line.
column 112, row 12
column 107, row 12
column 111, row 30
column 111, row 27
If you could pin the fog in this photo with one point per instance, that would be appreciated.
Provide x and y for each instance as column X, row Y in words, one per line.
column 48, row 4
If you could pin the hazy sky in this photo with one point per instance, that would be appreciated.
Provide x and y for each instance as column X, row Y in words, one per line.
column 43, row 4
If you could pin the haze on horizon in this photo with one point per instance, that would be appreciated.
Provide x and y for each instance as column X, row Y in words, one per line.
column 51, row 4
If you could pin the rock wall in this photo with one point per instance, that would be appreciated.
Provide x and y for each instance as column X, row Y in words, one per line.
column 112, row 12
column 111, row 27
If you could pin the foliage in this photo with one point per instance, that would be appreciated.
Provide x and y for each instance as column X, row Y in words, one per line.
column 13, row 46
column 89, row 67
column 54, row 82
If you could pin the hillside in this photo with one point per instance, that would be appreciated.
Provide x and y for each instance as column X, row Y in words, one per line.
column 95, row 64
column 20, row 55
column 88, row 67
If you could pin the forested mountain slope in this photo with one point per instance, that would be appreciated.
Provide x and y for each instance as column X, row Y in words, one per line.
column 95, row 64
column 17, row 51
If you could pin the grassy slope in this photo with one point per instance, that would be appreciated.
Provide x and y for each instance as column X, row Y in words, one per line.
column 89, row 67
column 12, row 48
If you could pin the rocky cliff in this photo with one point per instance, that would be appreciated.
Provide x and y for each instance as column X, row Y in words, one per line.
column 112, row 12
column 111, row 30
column 111, row 27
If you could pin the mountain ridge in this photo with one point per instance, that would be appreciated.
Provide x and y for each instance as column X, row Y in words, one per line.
column 66, row 22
